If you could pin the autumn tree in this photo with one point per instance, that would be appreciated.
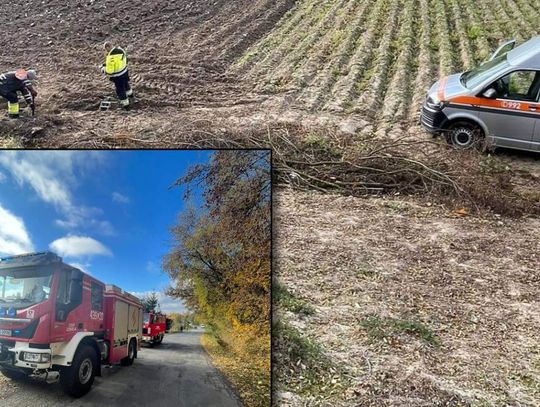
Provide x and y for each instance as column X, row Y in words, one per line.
column 220, row 262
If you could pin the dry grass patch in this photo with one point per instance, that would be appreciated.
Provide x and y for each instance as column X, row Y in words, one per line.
column 249, row 375
column 447, row 313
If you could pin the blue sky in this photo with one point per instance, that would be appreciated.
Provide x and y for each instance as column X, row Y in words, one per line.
column 107, row 212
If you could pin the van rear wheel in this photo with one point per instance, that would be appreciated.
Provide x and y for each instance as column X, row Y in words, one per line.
column 464, row 135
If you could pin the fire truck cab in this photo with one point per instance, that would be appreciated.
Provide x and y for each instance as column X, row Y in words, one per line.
column 154, row 328
column 499, row 101
column 58, row 323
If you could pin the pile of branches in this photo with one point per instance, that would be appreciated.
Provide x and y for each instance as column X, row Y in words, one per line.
column 330, row 161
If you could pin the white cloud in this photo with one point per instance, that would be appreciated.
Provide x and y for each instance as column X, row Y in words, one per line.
column 37, row 172
column 52, row 174
column 79, row 246
column 2, row 177
column 118, row 197
column 167, row 304
column 14, row 238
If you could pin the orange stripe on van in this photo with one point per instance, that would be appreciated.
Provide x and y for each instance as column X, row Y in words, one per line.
column 519, row 106
column 442, row 85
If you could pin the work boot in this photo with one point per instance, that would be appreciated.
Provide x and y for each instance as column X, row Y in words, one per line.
column 127, row 108
column 14, row 115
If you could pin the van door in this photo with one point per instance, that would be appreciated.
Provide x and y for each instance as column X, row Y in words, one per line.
column 536, row 109
column 536, row 138
column 504, row 49
column 511, row 117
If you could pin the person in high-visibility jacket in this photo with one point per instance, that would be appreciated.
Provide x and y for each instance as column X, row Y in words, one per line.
column 116, row 68
column 18, row 81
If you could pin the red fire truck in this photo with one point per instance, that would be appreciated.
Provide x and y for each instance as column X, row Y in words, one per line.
column 155, row 325
column 58, row 323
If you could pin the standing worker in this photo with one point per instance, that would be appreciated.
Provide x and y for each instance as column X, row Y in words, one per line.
column 115, row 67
column 18, row 81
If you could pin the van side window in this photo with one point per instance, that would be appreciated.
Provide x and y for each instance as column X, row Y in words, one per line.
column 518, row 85
column 97, row 297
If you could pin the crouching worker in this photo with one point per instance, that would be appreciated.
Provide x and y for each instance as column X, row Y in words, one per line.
column 116, row 68
column 18, row 81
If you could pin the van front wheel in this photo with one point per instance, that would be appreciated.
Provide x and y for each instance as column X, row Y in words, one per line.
column 464, row 135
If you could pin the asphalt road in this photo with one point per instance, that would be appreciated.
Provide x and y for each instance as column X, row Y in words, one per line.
column 177, row 373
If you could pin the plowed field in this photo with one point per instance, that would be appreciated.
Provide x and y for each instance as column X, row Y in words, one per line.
column 238, row 61
column 377, row 58
column 179, row 58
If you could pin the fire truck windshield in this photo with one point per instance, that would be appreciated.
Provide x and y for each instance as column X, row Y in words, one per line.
column 146, row 318
column 23, row 288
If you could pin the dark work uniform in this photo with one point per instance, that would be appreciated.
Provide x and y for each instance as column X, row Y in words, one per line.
column 10, row 85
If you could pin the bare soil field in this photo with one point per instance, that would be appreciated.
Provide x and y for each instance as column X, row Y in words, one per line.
column 363, row 66
column 423, row 306
column 180, row 53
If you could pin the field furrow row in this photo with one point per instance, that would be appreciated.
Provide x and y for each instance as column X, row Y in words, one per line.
column 461, row 21
column 286, row 43
column 317, row 91
column 425, row 67
column 477, row 29
column 396, row 100
column 324, row 51
column 369, row 91
column 359, row 64
column 444, row 46
column 286, row 68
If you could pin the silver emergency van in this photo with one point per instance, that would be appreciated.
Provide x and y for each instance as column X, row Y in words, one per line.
column 497, row 102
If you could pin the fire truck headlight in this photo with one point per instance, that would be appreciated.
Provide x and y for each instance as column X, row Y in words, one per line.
column 149, row 330
column 36, row 357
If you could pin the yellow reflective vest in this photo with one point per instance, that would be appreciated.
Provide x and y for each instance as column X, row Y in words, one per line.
column 116, row 62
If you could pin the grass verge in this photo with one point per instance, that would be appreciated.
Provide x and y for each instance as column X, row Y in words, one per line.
column 301, row 365
column 287, row 301
column 249, row 374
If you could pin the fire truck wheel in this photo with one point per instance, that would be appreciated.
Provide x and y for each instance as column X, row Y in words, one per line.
column 14, row 374
column 132, row 349
column 159, row 340
column 77, row 379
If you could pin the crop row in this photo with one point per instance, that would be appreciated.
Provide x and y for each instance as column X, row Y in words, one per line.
column 378, row 57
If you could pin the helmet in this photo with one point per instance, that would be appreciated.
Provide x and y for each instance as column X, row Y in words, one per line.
column 31, row 74
column 21, row 74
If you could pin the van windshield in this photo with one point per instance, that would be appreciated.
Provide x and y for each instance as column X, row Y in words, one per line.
column 487, row 70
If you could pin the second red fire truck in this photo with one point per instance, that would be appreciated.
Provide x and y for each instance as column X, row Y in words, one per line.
column 154, row 328
column 58, row 323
